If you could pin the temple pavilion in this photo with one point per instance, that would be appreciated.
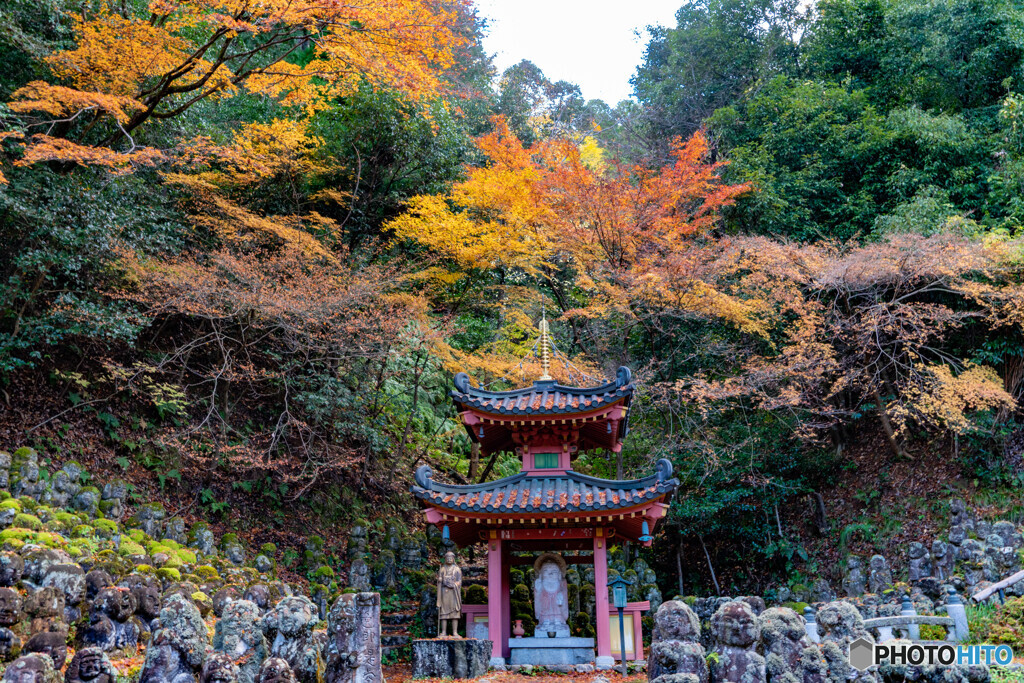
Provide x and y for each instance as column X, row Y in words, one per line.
column 548, row 507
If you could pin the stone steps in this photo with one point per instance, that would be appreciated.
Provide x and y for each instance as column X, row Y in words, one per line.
column 395, row 626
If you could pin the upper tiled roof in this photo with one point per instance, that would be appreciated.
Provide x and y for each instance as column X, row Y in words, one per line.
column 543, row 397
column 562, row 493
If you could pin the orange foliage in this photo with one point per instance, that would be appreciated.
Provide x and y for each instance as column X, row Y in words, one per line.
column 260, row 325
column 868, row 328
column 126, row 69
column 626, row 233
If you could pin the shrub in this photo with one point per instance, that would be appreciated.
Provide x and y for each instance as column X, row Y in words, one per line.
column 993, row 623
column 26, row 521
column 476, row 595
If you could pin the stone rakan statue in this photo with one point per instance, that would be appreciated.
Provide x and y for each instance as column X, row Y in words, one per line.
column 449, row 596
column 551, row 596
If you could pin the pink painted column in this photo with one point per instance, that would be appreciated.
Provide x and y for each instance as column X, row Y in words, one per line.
column 604, row 636
column 495, row 601
column 506, row 604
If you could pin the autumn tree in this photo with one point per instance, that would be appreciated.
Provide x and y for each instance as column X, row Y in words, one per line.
column 128, row 68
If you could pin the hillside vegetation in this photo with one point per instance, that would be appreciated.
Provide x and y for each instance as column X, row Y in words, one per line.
column 246, row 247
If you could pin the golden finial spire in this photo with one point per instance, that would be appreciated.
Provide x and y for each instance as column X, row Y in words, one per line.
column 544, row 347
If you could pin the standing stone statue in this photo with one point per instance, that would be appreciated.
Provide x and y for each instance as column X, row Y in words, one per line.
column 353, row 640
column 675, row 646
column 293, row 619
column 943, row 559
column 854, row 583
column 178, row 647
column 736, row 633
column 449, row 595
column 920, row 563
column 239, row 635
column 551, row 596
column 879, row 576
column 359, row 575
column 783, row 639
column 839, row 624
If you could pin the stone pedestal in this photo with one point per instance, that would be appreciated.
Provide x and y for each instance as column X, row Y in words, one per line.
column 450, row 658
column 551, row 651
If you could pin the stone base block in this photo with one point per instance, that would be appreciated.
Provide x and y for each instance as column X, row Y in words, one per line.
column 450, row 658
column 604, row 663
column 551, row 651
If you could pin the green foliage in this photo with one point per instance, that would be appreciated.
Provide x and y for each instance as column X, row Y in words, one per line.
column 997, row 623
column 390, row 150
column 63, row 234
column 715, row 52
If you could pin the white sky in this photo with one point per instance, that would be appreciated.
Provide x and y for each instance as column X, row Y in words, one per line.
column 592, row 43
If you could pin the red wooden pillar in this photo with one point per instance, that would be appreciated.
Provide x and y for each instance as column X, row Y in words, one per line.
column 506, row 604
column 495, row 602
column 604, row 636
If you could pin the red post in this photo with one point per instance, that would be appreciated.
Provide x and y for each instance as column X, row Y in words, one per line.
column 495, row 601
column 506, row 604
column 604, row 636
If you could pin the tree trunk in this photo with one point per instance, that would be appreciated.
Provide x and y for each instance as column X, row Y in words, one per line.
column 707, row 556
column 474, row 460
column 820, row 517
column 890, row 433
column 679, row 565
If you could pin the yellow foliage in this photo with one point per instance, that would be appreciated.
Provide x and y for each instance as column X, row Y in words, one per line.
column 625, row 232
column 945, row 399
column 59, row 101
column 130, row 66
column 46, row 148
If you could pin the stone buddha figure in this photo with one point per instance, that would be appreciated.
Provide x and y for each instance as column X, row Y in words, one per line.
column 551, row 596
column 449, row 595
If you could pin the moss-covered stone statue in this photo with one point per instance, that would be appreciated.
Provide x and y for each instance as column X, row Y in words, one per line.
column 449, row 596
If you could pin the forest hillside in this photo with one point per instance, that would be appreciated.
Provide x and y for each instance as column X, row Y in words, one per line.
column 247, row 246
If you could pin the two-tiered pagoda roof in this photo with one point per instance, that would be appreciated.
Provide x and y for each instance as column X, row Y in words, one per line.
column 591, row 417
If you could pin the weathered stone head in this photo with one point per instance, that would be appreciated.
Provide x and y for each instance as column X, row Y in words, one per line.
column 70, row 580
column 31, row 668
column 95, row 581
column 12, row 567
column 116, row 603
column 147, row 601
column 90, row 665
column 219, row 668
column 295, row 616
column 779, row 624
column 674, row 620
column 258, row 593
column 10, row 607
column 224, row 596
column 735, row 624
column 840, row 622
column 52, row 643
column 10, row 644
column 37, row 560
column 276, row 670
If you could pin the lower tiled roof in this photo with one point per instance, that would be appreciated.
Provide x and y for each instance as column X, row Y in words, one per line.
column 558, row 493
